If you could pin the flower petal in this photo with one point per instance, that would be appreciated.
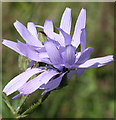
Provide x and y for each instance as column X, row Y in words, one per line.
column 56, row 43
column 39, row 26
column 39, row 49
column 80, row 24
column 71, row 73
column 31, row 64
column 59, row 38
column 67, row 37
column 97, row 62
column 53, row 53
column 12, row 45
column 29, row 53
column 84, row 55
column 49, row 31
column 19, row 80
column 46, row 60
column 83, row 40
column 25, row 50
column 35, row 83
column 26, row 35
column 16, row 96
column 78, row 54
column 32, row 29
column 53, row 84
column 69, row 56
column 79, row 71
column 48, row 28
column 65, row 24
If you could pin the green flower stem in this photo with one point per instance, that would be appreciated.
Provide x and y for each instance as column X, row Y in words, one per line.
column 33, row 107
column 21, row 103
column 5, row 99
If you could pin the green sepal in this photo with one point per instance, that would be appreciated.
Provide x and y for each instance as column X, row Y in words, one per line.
column 42, row 37
column 23, row 63
column 63, row 83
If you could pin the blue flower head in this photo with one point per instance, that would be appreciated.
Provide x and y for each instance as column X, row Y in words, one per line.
column 58, row 53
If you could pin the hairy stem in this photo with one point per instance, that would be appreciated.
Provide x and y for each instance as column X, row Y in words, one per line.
column 21, row 103
column 33, row 107
column 5, row 99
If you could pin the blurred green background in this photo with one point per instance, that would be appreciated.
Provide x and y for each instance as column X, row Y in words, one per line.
column 89, row 96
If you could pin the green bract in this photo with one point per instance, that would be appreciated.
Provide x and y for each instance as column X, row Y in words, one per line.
column 42, row 37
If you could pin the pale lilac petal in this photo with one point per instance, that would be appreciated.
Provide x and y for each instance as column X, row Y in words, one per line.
column 83, row 40
column 59, row 38
column 67, row 37
column 61, row 49
column 19, row 80
column 25, row 50
column 84, row 56
column 56, row 43
column 69, row 55
column 43, row 55
column 78, row 54
column 31, row 64
column 80, row 71
column 39, row 49
column 26, row 35
column 39, row 26
column 65, row 24
column 71, row 73
column 16, row 96
column 35, row 83
column 12, row 45
column 80, row 24
column 53, row 53
column 53, row 84
column 46, row 60
column 32, row 29
column 48, row 28
column 52, row 36
column 30, row 53
column 97, row 62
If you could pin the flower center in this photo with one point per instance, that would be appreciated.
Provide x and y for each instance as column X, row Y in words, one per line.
column 64, row 69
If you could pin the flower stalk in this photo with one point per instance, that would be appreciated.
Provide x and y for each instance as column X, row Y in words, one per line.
column 5, row 99
column 33, row 107
column 24, row 98
column 29, row 110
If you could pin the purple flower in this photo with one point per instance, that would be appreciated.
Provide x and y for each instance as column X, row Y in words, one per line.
column 59, row 54
column 64, row 54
